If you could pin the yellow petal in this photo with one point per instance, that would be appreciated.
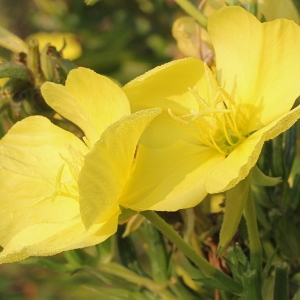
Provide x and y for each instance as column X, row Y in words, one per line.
column 39, row 196
column 263, row 73
column 44, row 239
column 108, row 167
column 89, row 100
column 26, row 176
column 164, row 131
column 241, row 160
column 167, row 87
column 169, row 178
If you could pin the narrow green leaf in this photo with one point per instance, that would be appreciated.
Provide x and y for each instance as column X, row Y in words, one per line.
column 235, row 203
column 259, row 178
column 11, row 42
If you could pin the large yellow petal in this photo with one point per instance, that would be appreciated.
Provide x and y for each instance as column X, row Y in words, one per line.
column 238, row 164
column 258, row 64
column 164, row 131
column 30, row 162
column 169, row 178
column 44, row 239
column 108, row 167
column 167, row 87
column 89, row 100
column 39, row 196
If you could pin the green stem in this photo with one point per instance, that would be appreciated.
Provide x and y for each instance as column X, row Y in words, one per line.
column 250, row 284
column 193, row 12
column 209, row 270
column 254, row 240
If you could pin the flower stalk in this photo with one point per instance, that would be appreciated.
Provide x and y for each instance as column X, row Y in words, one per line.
column 224, row 281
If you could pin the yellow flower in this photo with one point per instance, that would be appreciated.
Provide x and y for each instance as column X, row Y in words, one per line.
column 194, row 41
column 72, row 48
column 211, row 131
column 40, row 164
column 270, row 9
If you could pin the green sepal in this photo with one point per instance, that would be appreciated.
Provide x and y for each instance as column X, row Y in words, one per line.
column 235, row 203
column 259, row 178
column 126, row 213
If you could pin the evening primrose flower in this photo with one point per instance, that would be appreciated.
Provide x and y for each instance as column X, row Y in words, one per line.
column 40, row 164
column 212, row 130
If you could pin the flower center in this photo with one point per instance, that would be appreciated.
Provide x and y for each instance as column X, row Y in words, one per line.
column 214, row 120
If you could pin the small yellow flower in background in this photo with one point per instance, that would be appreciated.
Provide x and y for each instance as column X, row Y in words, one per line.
column 194, row 41
column 72, row 48
column 211, row 131
column 270, row 9
column 40, row 164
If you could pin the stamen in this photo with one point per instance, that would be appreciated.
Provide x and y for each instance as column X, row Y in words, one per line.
column 201, row 102
column 217, row 127
column 224, row 130
column 199, row 137
column 211, row 82
column 226, row 95
column 56, row 187
column 216, row 146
